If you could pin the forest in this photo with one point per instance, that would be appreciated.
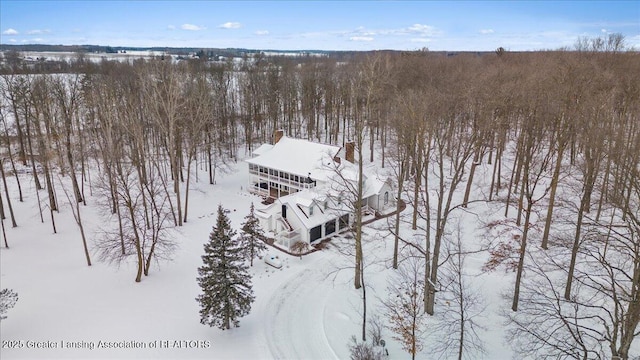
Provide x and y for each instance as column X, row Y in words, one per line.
column 560, row 131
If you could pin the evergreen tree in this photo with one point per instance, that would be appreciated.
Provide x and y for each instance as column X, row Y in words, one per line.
column 8, row 299
column 252, row 235
column 226, row 286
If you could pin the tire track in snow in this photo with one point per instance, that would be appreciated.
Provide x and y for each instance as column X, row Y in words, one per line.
column 294, row 327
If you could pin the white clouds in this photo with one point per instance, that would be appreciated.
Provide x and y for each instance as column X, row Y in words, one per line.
column 171, row 27
column 422, row 29
column 361, row 38
column 420, row 40
column 230, row 25
column 262, row 32
column 419, row 30
column 191, row 27
column 10, row 31
column 38, row 32
column 486, row 31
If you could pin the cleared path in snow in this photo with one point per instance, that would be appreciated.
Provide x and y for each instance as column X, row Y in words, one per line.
column 295, row 316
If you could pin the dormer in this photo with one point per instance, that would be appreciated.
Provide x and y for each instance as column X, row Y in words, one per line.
column 305, row 204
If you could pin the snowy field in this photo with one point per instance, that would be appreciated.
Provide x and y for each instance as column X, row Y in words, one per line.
column 306, row 310
column 95, row 57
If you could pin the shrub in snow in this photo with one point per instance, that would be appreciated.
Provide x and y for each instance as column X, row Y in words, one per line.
column 8, row 299
column 300, row 247
column 226, row 285
column 364, row 350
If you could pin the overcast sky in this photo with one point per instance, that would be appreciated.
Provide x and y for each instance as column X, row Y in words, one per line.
column 322, row 25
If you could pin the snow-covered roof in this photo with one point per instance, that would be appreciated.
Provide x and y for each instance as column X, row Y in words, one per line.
column 262, row 149
column 372, row 186
column 299, row 157
column 305, row 201
column 320, row 214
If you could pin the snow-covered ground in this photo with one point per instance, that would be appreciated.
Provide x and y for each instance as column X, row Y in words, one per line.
column 95, row 57
column 308, row 309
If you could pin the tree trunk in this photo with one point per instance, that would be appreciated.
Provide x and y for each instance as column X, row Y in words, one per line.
column 13, row 164
column 186, row 191
column 552, row 198
column 515, row 173
column 523, row 247
column 364, row 307
column 396, row 235
column 22, row 156
column 4, row 234
column 138, row 246
column 418, row 168
column 574, row 249
column 467, row 192
column 6, row 191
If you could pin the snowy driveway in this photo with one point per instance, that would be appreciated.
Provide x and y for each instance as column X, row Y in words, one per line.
column 295, row 316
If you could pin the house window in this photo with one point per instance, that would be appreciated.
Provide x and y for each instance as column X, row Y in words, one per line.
column 315, row 233
column 344, row 221
column 311, row 210
column 329, row 227
column 386, row 197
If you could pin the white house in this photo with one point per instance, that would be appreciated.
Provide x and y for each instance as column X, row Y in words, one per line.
column 289, row 166
column 306, row 183
column 306, row 216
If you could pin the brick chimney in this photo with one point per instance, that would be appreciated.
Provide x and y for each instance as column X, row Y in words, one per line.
column 277, row 136
column 349, row 151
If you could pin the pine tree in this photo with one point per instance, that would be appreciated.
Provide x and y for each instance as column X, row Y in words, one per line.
column 252, row 235
column 8, row 299
column 226, row 285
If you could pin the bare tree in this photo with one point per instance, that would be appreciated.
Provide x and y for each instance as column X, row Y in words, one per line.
column 145, row 242
column 78, row 218
column 66, row 92
column 548, row 327
column 15, row 91
column 594, row 136
column 10, row 152
column 162, row 89
column 6, row 192
column 535, row 161
column 458, row 327
column 404, row 306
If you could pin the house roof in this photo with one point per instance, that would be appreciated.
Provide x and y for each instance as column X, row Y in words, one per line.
column 262, row 149
column 296, row 156
column 372, row 186
column 320, row 215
